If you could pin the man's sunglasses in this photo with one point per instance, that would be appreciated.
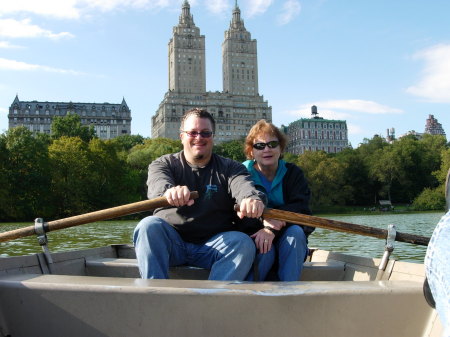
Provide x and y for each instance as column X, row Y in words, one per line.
column 203, row 134
column 261, row 146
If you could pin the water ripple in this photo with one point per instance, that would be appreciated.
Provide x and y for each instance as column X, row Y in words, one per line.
column 118, row 232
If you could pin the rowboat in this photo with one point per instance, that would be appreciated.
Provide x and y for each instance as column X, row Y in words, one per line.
column 98, row 292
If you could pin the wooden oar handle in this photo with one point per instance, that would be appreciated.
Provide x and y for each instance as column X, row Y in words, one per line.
column 309, row 220
column 106, row 214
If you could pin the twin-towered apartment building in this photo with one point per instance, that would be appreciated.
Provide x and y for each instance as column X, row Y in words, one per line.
column 236, row 108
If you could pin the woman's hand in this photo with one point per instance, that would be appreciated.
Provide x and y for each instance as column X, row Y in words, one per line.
column 275, row 224
column 263, row 240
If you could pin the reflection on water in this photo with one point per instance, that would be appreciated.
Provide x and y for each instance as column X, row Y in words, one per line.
column 417, row 223
column 92, row 235
column 112, row 232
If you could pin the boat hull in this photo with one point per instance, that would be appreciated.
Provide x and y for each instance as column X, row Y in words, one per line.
column 74, row 302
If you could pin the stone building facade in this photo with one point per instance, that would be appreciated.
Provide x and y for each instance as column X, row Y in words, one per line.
column 237, row 107
column 433, row 127
column 316, row 134
column 109, row 120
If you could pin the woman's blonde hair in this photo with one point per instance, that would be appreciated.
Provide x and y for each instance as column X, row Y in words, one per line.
column 260, row 128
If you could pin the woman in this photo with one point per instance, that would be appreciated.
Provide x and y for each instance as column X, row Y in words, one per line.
column 279, row 243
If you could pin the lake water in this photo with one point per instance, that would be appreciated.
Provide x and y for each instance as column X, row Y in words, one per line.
column 117, row 232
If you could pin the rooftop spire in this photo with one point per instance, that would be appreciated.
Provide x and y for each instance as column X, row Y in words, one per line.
column 236, row 21
column 186, row 17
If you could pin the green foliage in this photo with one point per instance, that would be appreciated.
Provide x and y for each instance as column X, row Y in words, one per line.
column 143, row 154
column 325, row 176
column 233, row 149
column 62, row 175
column 441, row 174
column 290, row 158
column 4, row 193
column 24, row 175
column 70, row 126
column 113, row 179
column 89, row 176
column 127, row 142
column 431, row 199
column 356, row 179
column 72, row 179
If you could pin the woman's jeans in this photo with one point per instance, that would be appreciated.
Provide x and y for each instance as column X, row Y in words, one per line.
column 228, row 255
column 291, row 250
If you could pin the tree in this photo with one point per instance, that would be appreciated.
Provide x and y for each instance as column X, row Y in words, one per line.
column 434, row 147
column 112, row 181
column 290, row 158
column 413, row 171
column 70, row 126
column 141, row 156
column 325, row 178
column 127, row 142
column 25, row 171
column 233, row 149
column 355, row 178
column 4, row 192
column 385, row 168
column 441, row 174
column 430, row 199
column 72, row 178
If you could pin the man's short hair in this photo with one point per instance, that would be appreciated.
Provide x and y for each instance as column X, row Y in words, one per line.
column 201, row 113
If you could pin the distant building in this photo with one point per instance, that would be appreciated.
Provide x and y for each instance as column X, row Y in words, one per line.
column 109, row 120
column 390, row 135
column 238, row 107
column 417, row 135
column 316, row 134
column 433, row 127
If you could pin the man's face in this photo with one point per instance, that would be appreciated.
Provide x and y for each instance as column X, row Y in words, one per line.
column 198, row 148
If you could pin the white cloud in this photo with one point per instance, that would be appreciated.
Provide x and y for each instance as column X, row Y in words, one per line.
column 257, row 7
column 6, row 64
column 54, row 8
column 290, row 9
column 217, row 6
column 74, row 9
column 340, row 109
column 7, row 45
column 355, row 129
column 435, row 82
column 108, row 5
column 11, row 28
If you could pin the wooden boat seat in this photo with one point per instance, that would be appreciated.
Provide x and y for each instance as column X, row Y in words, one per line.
column 119, row 267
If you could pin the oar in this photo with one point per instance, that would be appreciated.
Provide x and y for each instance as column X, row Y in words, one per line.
column 308, row 220
column 105, row 214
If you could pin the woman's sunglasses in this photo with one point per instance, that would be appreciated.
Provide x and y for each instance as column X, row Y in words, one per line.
column 261, row 146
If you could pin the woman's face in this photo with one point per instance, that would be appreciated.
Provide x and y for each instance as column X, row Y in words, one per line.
column 267, row 151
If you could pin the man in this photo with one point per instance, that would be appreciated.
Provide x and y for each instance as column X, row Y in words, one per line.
column 197, row 232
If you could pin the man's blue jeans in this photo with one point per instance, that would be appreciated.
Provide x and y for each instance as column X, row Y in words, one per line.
column 291, row 250
column 228, row 255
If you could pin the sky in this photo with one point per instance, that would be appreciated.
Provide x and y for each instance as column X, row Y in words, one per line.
column 376, row 64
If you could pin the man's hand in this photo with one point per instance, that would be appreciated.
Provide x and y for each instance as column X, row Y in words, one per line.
column 179, row 196
column 251, row 208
